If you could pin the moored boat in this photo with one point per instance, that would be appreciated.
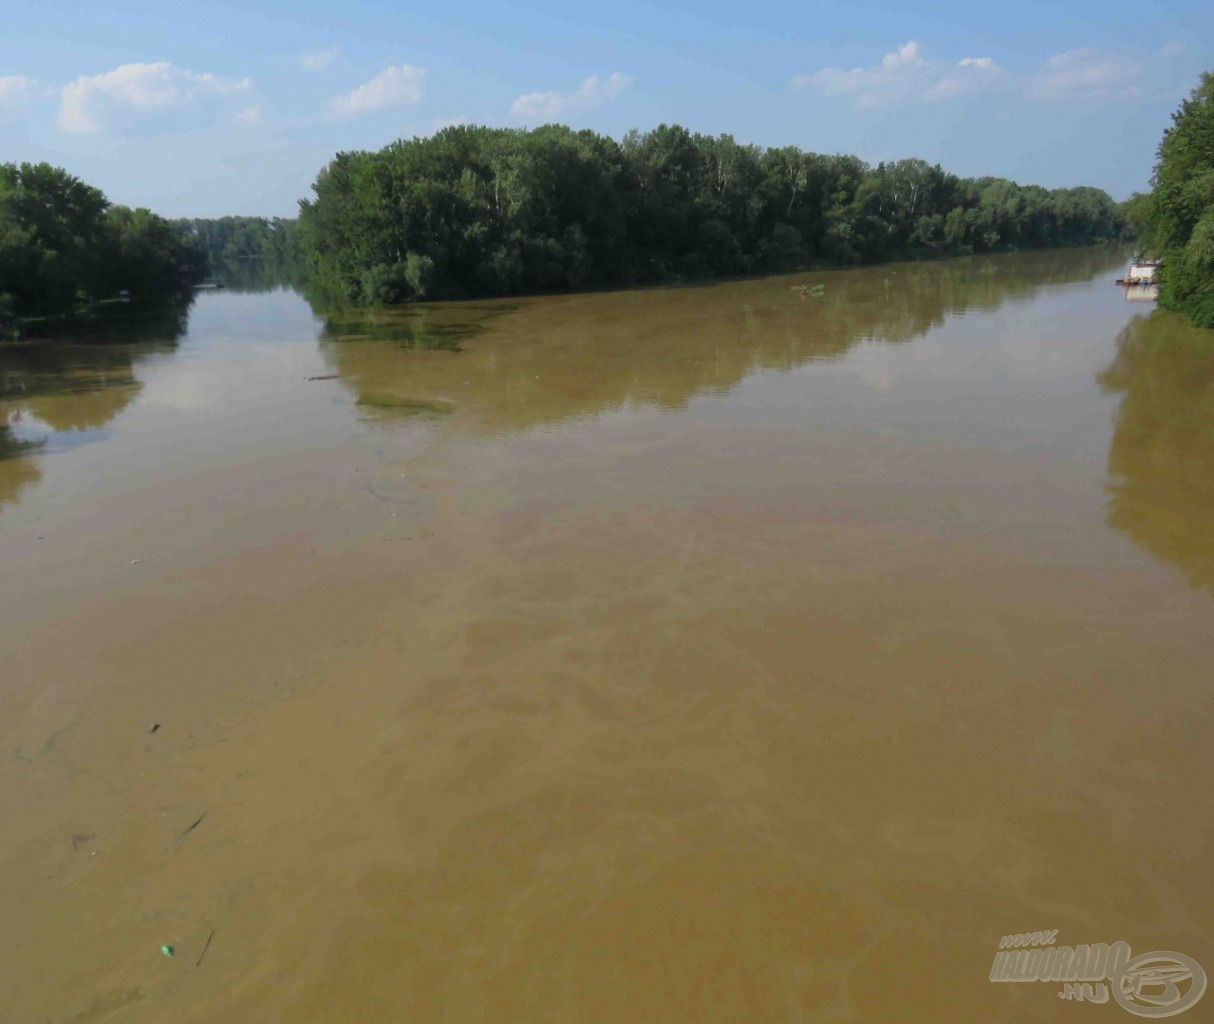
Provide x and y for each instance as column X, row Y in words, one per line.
column 1141, row 272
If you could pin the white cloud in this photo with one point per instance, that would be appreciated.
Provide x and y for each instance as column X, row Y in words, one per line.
column 904, row 76
column 970, row 75
column 14, row 88
column 140, row 89
column 1084, row 74
column 250, row 117
column 547, row 106
column 869, row 86
column 318, row 60
column 394, row 87
column 836, row 81
column 908, row 75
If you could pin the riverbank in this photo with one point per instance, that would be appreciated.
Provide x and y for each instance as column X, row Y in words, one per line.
column 67, row 255
column 327, row 302
column 108, row 320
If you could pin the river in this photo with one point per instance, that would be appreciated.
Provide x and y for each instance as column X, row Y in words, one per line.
column 734, row 653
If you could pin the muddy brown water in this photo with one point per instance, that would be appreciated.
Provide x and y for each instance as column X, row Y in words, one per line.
column 714, row 654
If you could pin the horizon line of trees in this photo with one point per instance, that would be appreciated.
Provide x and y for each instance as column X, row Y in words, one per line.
column 65, row 248
column 229, row 240
column 245, row 251
column 1175, row 220
column 477, row 211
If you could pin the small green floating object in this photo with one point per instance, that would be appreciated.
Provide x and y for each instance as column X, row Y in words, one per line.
column 168, row 950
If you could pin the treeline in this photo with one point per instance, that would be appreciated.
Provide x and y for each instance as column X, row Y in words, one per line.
column 1175, row 220
column 250, row 253
column 64, row 248
column 233, row 239
column 475, row 211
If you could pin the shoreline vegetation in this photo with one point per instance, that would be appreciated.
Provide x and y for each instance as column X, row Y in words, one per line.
column 479, row 212
column 72, row 262
column 1175, row 220
column 245, row 251
column 475, row 212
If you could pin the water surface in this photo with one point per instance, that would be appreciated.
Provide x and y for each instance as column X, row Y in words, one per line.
column 725, row 653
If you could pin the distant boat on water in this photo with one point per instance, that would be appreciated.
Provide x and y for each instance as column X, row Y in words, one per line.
column 1141, row 272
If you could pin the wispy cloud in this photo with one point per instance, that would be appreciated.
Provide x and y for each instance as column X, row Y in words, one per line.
column 318, row 60
column 138, row 89
column 547, row 106
column 393, row 87
column 251, row 116
column 1085, row 74
column 14, row 88
column 969, row 75
column 908, row 75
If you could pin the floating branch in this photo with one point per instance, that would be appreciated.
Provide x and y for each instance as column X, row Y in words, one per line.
column 194, row 826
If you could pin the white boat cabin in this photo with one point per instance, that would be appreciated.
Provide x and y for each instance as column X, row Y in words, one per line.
column 1142, row 271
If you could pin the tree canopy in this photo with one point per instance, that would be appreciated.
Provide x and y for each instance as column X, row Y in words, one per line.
column 63, row 246
column 231, row 239
column 249, row 252
column 1180, row 218
column 477, row 211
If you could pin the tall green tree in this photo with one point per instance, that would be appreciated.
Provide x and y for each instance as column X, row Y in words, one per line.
column 1183, row 206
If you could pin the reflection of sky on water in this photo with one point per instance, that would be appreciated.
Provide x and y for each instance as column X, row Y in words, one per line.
column 1001, row 362
column 27, row 428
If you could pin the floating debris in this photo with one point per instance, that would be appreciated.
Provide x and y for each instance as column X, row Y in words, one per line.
column 194, row 826
column 198, row 962
column 805, row 290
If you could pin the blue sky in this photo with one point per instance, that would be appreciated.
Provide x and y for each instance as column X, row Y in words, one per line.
column 212, row 108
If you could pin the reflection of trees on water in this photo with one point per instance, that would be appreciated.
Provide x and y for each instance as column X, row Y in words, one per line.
column 1161, row 461
column 902, row 301
column 571, row 355
column 74, row 386
column 18, row 468
column 423, row 328
column 260, row 274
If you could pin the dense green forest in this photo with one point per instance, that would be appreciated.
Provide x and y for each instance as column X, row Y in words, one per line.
column 475, row 211
column 232, row 239
column 244, row 252
column 1176, row 219
column 64, row 249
